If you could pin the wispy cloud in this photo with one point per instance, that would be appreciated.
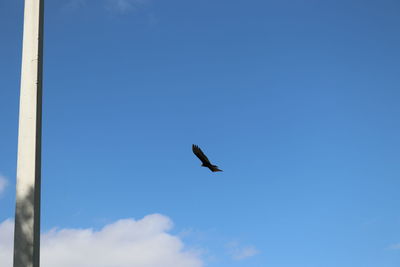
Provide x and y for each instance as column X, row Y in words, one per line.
column 240, row 252
column 124, row 6
column 395, row 246
column 124, row 243
column 3, row 184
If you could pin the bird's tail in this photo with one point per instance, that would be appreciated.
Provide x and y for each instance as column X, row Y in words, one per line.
column 216, row 169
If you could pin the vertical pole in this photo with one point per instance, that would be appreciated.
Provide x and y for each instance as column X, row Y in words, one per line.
column 27, row 211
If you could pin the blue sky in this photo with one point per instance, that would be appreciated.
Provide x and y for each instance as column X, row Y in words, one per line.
column 296, row 100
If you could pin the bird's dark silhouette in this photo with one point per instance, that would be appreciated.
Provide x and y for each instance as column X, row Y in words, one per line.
column 204, row 160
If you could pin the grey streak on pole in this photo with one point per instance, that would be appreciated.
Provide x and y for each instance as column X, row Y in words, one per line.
column 27, row 210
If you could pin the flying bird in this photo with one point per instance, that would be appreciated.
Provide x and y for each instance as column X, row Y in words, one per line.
column 204, row 160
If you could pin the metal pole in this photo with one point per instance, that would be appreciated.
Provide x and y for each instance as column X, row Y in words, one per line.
column 27, row 211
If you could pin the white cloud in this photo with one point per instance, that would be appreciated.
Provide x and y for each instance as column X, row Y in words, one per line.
column 3, row 183
column 239, row 252
column 6, row 243
column 125, row 5
column 124, row 243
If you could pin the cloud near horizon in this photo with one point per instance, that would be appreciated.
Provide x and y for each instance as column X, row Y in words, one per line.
column 124, row 243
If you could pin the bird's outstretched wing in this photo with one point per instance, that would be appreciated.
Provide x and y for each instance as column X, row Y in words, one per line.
column 197, row 151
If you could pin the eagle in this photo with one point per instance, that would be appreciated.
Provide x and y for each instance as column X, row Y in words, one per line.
column 204, row 160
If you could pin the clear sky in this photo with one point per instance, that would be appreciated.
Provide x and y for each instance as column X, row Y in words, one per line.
column 298, row 101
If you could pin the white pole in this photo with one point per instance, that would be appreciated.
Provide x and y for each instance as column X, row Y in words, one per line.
column 27, row 211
